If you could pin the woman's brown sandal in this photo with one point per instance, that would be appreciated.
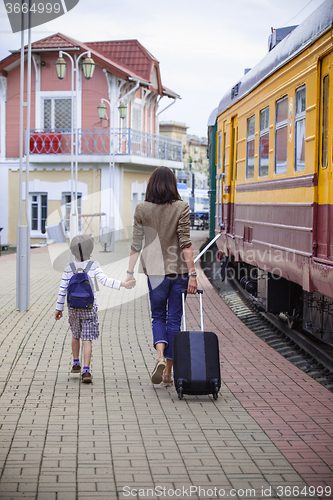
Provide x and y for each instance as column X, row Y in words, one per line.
column 156, row 376
column 167, row 380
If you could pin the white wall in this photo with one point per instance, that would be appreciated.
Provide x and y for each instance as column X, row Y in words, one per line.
column 107, row 196
column 4, row 176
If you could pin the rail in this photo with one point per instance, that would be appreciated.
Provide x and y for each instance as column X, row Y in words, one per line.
column 96, row 141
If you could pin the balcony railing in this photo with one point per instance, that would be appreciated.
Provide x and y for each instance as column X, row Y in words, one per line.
column 96, row 141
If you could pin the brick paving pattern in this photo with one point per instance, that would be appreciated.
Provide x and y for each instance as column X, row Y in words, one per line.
column 269, row 434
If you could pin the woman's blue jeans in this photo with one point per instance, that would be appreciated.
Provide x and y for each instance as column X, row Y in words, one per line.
column 165, row 295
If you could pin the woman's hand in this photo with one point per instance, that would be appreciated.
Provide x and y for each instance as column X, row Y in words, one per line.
column 192, row 285
column 129, row 282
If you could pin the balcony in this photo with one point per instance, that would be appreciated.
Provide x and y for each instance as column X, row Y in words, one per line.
column 96, row 141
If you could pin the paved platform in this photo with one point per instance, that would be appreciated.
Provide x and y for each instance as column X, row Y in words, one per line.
column 268, row 435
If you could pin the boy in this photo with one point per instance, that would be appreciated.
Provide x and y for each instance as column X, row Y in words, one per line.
column 84, row 322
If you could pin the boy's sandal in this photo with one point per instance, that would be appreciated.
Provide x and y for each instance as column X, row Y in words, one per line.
column 167, row 380
column 156, row 376
column 76, row 368
column 86, row 378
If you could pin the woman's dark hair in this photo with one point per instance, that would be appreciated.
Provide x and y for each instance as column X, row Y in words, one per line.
column 162, row 187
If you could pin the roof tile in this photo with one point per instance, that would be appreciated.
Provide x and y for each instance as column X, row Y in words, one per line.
column 130, row 53
column 57, row 41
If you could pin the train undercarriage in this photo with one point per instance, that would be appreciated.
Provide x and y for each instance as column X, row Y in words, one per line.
column 311, row 311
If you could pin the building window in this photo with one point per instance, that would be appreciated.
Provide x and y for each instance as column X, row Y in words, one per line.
column 281, row 135
column 57, row 113
column 264, row 142
column 250, row 148
column 300, row 129
column 66, row 204
column 325, row 114
column 136, row 116
column 38, row 212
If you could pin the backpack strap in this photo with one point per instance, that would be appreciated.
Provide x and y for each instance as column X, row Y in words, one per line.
column 87, row 269
column 88, row 266
column 73, row 267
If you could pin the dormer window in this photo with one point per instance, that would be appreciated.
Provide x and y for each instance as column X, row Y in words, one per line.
column 235, row 90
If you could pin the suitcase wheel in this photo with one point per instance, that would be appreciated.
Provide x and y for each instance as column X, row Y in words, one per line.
column 215, row 388
column 180, row 388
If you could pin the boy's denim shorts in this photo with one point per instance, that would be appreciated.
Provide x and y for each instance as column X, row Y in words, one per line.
column 84, row 323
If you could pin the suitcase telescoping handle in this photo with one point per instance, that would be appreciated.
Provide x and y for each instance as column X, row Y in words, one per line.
column 200, row 292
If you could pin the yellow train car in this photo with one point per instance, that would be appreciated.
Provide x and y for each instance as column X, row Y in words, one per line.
column 274, row 192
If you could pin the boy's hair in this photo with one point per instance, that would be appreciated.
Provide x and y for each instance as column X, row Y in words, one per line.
column 82, row 247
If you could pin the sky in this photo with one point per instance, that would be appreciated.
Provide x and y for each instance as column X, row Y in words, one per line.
column 203, row 46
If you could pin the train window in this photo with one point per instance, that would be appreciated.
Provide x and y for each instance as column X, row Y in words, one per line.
column 264, row 142
column 250, row 147
column 324, row 146
column 300, row 100
column 281, row 135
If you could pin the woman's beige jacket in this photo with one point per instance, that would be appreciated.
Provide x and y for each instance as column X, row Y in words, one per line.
column 161, row 232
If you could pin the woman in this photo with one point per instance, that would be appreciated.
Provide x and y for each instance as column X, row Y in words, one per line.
column 162, row 222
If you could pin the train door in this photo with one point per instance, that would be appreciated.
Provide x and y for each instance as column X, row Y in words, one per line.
column 233, row 173
column 222, row 196
column 223, row 183
column 219, row 185
column 325, row 192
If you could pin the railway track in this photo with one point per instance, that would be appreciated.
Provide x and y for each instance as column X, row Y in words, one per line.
column 308, row 355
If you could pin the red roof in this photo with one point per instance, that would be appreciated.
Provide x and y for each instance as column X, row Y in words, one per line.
column 129, row 53
column 56, row 42
column 124, row 58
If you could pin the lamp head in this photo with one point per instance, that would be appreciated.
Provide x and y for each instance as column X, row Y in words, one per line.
column 122, row 108
column 101, row 110
column 88, row 67
column 60, row 68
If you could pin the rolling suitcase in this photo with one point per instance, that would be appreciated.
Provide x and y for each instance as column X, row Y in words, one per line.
column 196, row 360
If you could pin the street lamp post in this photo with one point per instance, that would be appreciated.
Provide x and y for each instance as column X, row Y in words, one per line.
column 88, row 67
column 23, row 223
column 101, row 113
column 122, row 113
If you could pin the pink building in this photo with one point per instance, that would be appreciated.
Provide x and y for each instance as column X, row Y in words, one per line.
column 110, row 179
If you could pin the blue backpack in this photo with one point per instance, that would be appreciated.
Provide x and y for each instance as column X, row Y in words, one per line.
column 80, row 293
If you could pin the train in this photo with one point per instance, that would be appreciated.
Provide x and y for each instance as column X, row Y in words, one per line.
column 199, row 205
column 272, row 137
column 201, row 199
